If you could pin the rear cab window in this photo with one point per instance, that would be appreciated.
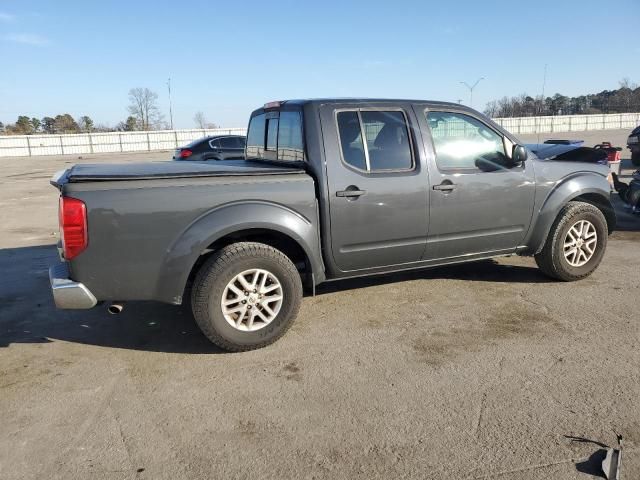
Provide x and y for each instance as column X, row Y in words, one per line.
column 276, row 135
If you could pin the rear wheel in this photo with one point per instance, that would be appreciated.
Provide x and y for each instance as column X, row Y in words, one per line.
column 246, row 296
column 576, row 243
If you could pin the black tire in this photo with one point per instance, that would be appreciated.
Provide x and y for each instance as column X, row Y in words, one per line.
column 214, row 276
column 635, row 158
column 551, row 259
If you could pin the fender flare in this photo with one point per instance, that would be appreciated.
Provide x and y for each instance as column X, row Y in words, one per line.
column 579, row 184
column 227, row 219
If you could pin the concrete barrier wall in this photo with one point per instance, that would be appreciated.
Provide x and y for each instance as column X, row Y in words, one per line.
column 569, row 123
column 29, row 145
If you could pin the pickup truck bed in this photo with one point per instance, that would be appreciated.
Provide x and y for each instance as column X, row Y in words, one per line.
column 174, row 210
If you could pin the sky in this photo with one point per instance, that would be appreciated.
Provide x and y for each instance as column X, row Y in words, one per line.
column 227, row 58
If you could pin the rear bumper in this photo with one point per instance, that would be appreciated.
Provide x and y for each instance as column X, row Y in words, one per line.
column 68, row 294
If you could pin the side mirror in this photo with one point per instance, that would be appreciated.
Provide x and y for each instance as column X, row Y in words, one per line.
column 519, row 154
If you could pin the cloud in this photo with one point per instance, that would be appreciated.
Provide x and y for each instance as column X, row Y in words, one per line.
column 6, row 17
column 27, row 39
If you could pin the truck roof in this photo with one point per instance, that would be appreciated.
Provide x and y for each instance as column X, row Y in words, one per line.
column 320, row 101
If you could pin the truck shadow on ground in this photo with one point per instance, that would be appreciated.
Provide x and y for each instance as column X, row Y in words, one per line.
column 27, row 313
column 478, row 271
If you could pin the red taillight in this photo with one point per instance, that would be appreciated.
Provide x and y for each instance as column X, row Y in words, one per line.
column 185, row 153
column 73, row 226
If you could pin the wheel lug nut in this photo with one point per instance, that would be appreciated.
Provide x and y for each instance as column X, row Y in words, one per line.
column 249, row 307
column 244, row 301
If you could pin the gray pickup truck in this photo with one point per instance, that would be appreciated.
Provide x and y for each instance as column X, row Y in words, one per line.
column 330, row 189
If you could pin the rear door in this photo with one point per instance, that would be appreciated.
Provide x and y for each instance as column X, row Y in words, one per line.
column 240, row 144
column 214, row 151
column 377, row 186
column 230, row 148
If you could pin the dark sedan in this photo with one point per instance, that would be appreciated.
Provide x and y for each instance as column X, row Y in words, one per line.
column 219, row 147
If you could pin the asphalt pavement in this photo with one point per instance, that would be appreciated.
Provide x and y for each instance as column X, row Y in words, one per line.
column 484, row 370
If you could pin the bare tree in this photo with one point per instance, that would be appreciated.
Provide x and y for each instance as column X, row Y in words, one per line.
column 143, row 105
column 200, row 120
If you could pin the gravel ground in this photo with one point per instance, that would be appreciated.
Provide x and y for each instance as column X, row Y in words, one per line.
column 485, row 370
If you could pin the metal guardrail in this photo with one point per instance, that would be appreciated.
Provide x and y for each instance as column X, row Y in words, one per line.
column 30, row 145
column 110, row 142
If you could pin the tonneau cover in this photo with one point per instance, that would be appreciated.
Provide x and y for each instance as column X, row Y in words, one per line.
column 175, row 169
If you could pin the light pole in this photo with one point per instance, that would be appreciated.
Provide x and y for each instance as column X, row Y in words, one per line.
column 471, row 87
column 170, row 109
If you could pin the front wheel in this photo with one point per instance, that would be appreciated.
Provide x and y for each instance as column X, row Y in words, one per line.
column 576, row 243
column 246, row 296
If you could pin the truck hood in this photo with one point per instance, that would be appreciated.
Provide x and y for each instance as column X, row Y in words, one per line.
column 545, row 150
column 156, row 170
column 568, row 153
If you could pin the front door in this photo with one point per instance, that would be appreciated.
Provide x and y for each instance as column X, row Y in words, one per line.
column 479, row 201
column 377, row 186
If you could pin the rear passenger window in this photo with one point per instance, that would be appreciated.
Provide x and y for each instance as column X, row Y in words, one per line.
column 351, row 140
column 239, row 142
column 227, row 142
column 386, row 144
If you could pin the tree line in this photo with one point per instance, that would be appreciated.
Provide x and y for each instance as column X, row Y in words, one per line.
column 625, row 99
column 144, row 115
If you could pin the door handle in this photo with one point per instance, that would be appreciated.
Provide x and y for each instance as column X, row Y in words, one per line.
column 445, row 187
column 350, row 192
